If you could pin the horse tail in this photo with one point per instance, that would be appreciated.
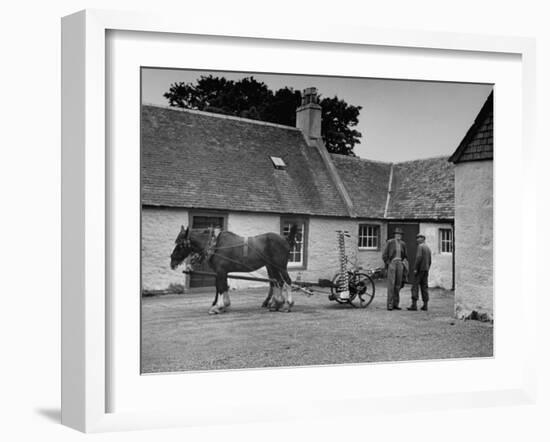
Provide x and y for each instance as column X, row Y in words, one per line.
column 291, row 238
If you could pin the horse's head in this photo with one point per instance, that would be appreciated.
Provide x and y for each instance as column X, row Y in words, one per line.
column 187, row 243
column 182, row 249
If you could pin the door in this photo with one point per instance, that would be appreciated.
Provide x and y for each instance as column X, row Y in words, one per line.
column 409, row 236
column 205, row 221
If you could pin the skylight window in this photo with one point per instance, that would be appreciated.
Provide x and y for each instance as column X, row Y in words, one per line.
column 278, row 163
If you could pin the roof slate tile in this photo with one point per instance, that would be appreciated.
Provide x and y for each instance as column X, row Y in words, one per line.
column 477, row 144
column 422, row 189
column 366, row 182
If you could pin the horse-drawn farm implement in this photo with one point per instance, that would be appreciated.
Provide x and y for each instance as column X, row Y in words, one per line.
column 350, row 285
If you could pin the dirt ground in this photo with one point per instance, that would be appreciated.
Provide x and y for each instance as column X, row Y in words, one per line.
column 179, row 335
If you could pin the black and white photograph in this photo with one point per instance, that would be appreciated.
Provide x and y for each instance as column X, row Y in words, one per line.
column 306, row 220
column 243, row 221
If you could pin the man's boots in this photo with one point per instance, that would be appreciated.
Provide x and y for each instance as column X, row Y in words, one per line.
column 413, row 307
column 424, row 307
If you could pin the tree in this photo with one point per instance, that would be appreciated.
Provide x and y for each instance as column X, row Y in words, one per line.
column 250, row 98
column 337, row 120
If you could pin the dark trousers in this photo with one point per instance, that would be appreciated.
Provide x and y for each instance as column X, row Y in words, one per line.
column 420, row 280
column 395, row 275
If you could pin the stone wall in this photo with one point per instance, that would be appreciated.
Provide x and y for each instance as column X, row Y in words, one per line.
column 323, row 259
column 372, row 259
column 159, row 229
column 441, row 271
column 474, row 238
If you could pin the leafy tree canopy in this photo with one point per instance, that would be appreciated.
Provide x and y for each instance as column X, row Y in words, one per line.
column 250, row 98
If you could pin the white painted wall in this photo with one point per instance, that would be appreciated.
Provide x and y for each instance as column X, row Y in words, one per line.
column 372, row 259
column 160, row 226
column 474, row 238
column 441, row 271
column 159, row 229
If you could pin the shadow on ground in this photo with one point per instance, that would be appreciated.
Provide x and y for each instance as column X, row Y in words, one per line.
column 51, row 414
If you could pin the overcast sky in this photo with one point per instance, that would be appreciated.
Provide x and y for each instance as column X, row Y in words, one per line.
column 400, row 120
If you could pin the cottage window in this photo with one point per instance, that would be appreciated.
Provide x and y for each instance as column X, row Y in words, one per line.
column 369, row 236
column 446, row 240
column 297, row 255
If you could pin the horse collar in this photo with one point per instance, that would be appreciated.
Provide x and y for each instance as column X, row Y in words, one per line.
column 212, row 242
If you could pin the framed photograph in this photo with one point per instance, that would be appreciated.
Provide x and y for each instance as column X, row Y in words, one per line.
column 249, row 214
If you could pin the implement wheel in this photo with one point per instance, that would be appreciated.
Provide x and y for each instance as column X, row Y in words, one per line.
column 361, row 290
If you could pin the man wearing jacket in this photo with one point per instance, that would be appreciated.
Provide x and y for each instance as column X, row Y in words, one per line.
column 421, row 268
column 394, row 253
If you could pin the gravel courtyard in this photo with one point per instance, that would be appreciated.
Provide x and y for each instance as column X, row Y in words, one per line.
column 179, row 335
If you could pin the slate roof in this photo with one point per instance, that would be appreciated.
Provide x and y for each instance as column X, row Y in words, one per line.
column 200, row 160
column 477, row 144
column 209, row 161
column 366, row 182
column 422, row 189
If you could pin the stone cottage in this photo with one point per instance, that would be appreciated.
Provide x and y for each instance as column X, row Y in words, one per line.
column 201, row 169
column 473, row 160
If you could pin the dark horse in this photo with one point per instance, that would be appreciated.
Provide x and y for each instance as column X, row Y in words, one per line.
column 228, row 252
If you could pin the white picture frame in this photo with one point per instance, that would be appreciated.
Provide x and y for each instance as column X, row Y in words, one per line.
column 86, row 314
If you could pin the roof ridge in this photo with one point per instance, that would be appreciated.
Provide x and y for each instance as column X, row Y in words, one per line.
column 436, row 157
column 354, row 158
column 223, row 116
column 387, row 163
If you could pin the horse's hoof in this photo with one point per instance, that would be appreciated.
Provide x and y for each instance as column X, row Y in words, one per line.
column 216, row 310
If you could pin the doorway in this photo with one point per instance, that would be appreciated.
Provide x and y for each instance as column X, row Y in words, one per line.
column 410, row 230
column 205, row 221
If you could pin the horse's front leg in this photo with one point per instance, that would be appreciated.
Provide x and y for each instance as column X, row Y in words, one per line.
column 222, row 295
column 287, row 287
column 289, row 302
column 278, row 300
column 265, row 304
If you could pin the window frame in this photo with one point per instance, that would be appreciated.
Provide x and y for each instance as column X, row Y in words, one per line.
column 305, row 222
column 449, row 240
column 209, row 214
column 378, row 236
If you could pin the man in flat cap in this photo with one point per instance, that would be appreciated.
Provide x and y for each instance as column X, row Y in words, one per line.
column 395, row 252
column 421, row 268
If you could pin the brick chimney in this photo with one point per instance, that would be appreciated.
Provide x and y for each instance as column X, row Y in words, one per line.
column 308, row 116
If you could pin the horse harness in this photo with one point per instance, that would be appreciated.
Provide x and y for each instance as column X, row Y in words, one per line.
column 212, row 247
column 245, row 246
column 210, row 250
